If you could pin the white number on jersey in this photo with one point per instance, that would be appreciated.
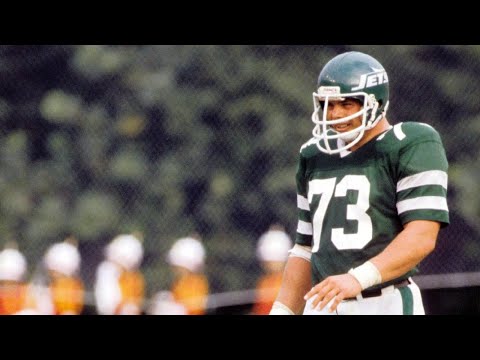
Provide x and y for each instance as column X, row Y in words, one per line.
column 326, row 188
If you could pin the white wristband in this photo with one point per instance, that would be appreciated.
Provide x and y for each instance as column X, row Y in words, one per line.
column 280, row 309
column 367, row 275
column 304, row 252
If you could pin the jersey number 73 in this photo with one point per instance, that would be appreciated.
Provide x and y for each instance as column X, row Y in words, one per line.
column 328, row 188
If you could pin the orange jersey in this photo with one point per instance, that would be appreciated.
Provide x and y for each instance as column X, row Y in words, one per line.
column 12, row 297
column 67, row 295
column 132, row 287
column 191, row 291
column 267, row 290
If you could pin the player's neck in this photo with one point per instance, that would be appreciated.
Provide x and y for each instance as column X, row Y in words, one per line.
column 382, row 126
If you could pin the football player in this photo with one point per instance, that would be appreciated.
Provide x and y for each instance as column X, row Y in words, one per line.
column 371, row 199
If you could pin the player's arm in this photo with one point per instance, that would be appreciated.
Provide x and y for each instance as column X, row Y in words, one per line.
column 421, row 202
column 417, row 239
column 297, row 274
column 296, row 282
column 409, row 247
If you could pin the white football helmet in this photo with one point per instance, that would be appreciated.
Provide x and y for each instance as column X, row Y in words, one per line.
column 187, row 252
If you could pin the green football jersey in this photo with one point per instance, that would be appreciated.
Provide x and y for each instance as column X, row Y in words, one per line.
column 352, row 205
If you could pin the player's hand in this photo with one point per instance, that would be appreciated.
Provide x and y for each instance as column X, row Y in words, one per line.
column 336, row 287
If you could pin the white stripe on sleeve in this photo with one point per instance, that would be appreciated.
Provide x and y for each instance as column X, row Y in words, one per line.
column 423, row 202
column 302, row 203
column 304, row 228
column 431, row 177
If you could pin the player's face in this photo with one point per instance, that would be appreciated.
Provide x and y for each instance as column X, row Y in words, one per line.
column 340, row 109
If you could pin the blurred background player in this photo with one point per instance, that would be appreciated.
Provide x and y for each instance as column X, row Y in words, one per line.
column 66, row 289
column 119, row 284
column 272, row 252
column 56, row 287
column 13, row 288
column 190, row 285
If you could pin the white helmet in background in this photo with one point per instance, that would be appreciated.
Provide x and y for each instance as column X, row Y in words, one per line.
column 63, row 257
column 187, row 252
column 13, row 265
column 274, row 245
column 126, row 250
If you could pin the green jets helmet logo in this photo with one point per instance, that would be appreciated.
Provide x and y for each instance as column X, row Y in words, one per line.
column 378, row 77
